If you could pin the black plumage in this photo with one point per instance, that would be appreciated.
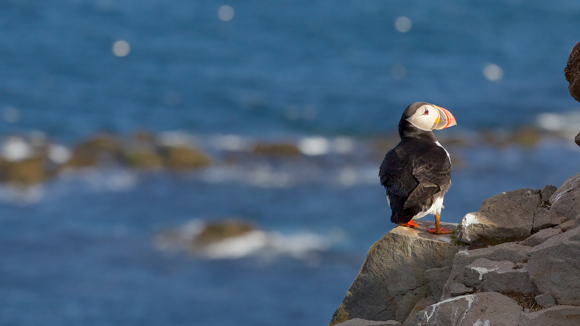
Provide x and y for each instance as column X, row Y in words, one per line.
column 416, row 173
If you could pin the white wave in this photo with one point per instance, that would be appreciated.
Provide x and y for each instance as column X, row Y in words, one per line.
column 259, row 176
column 175, row 138
column 314, row 146
column 21, row 196
column 230, row 142
column 16, row 149
column 299, row 245
column 566, row 123
column 115, row 180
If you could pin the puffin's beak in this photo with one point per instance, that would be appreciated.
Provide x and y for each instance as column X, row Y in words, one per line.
column 446, row 119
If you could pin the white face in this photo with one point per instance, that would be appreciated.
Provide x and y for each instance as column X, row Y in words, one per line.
column 425, row 118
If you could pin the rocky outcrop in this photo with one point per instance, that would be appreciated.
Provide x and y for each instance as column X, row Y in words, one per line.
column 509, row 216
column 572, row 72
column 554, row 266
column 522, row 267
column 555, row 316
column 566, row 200
column 391, row 281
column 488, row 308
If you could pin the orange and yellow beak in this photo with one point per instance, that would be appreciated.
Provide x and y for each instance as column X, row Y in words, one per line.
column 445, row 119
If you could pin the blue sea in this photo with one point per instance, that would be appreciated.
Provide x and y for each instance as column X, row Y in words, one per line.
column 331, row 76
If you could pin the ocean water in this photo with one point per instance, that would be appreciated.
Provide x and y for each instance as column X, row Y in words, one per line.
column 83, row 249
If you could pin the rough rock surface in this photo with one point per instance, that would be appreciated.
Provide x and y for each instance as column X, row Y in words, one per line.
column 507, row 251
column 572, row 72
column 489, row 308
column 554, row 266
column 498, row 276
column 545, row 300
column 554, row 316
column 544, row 218
column 508, row 216
column 540, row 237
column 391, row 280
column 566, row 226
column 498, row 284
column 420, row 306
column 437, row 278
column 362, row 322
column 566, row 200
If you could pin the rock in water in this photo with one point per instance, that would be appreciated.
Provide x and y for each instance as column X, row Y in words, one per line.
column 489, row 308
column 391, row 280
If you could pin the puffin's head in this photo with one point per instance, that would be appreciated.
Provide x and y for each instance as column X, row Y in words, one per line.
column 427, row 116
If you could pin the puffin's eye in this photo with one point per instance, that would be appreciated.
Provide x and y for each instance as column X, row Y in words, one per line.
column 426, row 112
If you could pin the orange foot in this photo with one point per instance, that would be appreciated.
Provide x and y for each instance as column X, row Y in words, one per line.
column 410, row 224
column 441, row 231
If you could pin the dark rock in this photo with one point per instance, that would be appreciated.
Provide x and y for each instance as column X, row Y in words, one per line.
column 362, row 322
column 545, row 300
column 540, row 237
column 566, row 200
column 554, row 316
column 546, row 193
column 498, row 276
column 489, row 308
column 507, row 251
column 554, row 266
column 508, row 216
column 437, row 278
column 577, row 139
column 280, row 149
column 391, row 280
column 458, row 289
column 572, row 72
column 184, row 158
column 544, row 218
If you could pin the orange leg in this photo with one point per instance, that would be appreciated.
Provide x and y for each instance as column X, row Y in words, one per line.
column 438, row 229
column 410, row 224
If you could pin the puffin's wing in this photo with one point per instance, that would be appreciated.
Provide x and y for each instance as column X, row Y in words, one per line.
column 433, row 171
column 391, row 171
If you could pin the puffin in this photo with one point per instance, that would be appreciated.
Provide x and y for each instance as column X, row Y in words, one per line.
column 417, row 173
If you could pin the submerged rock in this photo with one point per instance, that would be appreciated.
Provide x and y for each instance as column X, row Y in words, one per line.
column 391, row 280
column 92, row 152
column 277, row 149
column 184, row 158
column 25, row 172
